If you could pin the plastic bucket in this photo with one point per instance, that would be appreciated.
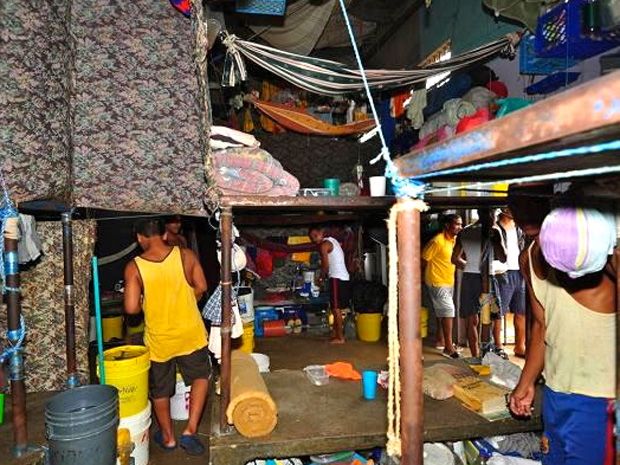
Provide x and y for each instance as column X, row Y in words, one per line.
column 369, row 326
column 245, row 297
column 138, row 426
column 127, row 368
column 81, row 424
column 247, row 338
column 112, row 327
column 179, row 402
column 423, row 322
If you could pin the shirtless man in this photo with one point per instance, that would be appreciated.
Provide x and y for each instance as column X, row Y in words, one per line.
column 333, row 266
column 173, row 234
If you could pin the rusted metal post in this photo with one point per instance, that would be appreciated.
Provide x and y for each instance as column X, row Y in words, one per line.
column 409, row 303
column 67, row 252
column 226, row 277
column 16, row 361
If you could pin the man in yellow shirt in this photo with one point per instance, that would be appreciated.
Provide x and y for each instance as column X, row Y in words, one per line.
column 439, row 278
column 165, row 282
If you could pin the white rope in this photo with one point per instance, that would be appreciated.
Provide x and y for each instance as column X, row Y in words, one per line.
column 394, row 446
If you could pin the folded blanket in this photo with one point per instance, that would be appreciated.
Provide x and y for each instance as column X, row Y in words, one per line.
column 251, row 409
column 251, row 171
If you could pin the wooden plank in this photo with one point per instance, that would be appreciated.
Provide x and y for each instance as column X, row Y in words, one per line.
column 591, row 109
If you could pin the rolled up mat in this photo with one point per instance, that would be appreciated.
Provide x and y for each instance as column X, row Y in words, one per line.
column 251, row 408
column 274, row 328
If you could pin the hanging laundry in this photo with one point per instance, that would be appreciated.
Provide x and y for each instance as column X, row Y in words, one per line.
column 268, row 91
column 29, row 245
column 397, row 104
column 415, row 108
column 248, row 122
column 388, row 124
column 264, row 263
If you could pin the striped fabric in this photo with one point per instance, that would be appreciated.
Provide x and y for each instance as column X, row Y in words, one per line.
column 333, row 78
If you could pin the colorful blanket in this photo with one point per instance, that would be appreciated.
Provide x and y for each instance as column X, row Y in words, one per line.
column 252, row 171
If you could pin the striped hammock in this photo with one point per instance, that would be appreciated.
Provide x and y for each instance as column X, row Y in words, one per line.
column 300, row 121
column 328, row 77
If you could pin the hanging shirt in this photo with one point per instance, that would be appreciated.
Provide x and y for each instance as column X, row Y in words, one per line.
column 580, row 344
column 337, row 265
column 512, row 249
column 172, row 323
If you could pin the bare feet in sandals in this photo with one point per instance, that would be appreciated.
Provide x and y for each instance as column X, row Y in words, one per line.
column 336, row 340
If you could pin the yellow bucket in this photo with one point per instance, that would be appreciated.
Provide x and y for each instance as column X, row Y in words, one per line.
column 127, row 369
column 112, row 327
column 247, row 338
column 423, row 322
column 369, row 326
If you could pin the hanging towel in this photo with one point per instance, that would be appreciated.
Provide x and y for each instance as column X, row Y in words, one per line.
column 415, row 109
column 29, row 246
column 301, row 257
column 397, row 104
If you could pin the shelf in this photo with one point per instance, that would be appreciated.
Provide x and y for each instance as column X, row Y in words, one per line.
column 584, row 115
column 256, row 202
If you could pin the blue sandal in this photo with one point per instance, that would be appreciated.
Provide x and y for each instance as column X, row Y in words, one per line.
column 159, row 440
column 191, row 444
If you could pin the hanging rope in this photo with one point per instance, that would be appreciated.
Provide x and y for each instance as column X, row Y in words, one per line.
column 18, row 336
column 393, row 405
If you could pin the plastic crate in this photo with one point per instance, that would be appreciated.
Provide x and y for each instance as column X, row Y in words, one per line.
column 261, row 7
column 559, row 33
column 552, row 83
column 531, row 63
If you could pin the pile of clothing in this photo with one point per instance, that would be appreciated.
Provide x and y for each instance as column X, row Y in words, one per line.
column 241, row 167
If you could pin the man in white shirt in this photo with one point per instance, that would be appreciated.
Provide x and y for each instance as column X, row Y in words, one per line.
column 334, row 267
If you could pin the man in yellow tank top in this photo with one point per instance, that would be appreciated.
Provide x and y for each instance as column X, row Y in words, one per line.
column 165, row 282
column 573, row 340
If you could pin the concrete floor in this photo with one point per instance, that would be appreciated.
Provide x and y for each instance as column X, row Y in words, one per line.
column 286, row 353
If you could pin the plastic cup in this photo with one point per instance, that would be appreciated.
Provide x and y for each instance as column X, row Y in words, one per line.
column 369, row 384
column 333, row 184
column 377, row 186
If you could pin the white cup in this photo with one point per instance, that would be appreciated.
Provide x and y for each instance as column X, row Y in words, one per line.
column 377, row 186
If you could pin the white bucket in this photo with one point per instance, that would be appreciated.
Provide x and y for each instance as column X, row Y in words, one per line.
column 138, row 426
column 308, row 276
column 262, row 361
column 179, row 402
column 246, row 303
column 377, row 186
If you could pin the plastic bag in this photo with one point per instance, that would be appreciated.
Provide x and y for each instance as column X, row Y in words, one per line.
column 504, row 373
column 438, row 383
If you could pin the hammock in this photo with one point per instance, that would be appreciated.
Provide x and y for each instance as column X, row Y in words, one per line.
column 298, row 120
column 333, row 78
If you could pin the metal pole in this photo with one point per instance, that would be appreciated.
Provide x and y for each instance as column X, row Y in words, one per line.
column 67, row 251
column 16, row 361
column 226, row 277
column 409, row 302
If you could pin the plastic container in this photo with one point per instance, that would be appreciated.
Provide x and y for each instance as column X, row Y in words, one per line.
column 262, row 361
column 179, row 402
column 245, row 297
column 81, row 424
column 559, row 33
column 333, row 184
column 369, row 326
column 317, row 374
column 247, row 338
column 138, row 426
column 262, row 314
column 127, row 369
column 261, row 7
column 275, row 328
column 369, row 384
column 112, row 327
column 531, row 63
column 377, row 186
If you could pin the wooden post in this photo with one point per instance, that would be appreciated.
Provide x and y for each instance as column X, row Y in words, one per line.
column 409, row 303
column 226, row 328
column 67, row 252
column 16, row 361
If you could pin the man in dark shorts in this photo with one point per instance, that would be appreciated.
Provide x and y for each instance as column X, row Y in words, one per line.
column 165, row 282
column 334, row 267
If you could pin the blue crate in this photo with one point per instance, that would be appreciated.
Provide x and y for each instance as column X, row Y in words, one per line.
column 261, row 7
column 531, row 63
column 559, row 33
column 552, row 83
